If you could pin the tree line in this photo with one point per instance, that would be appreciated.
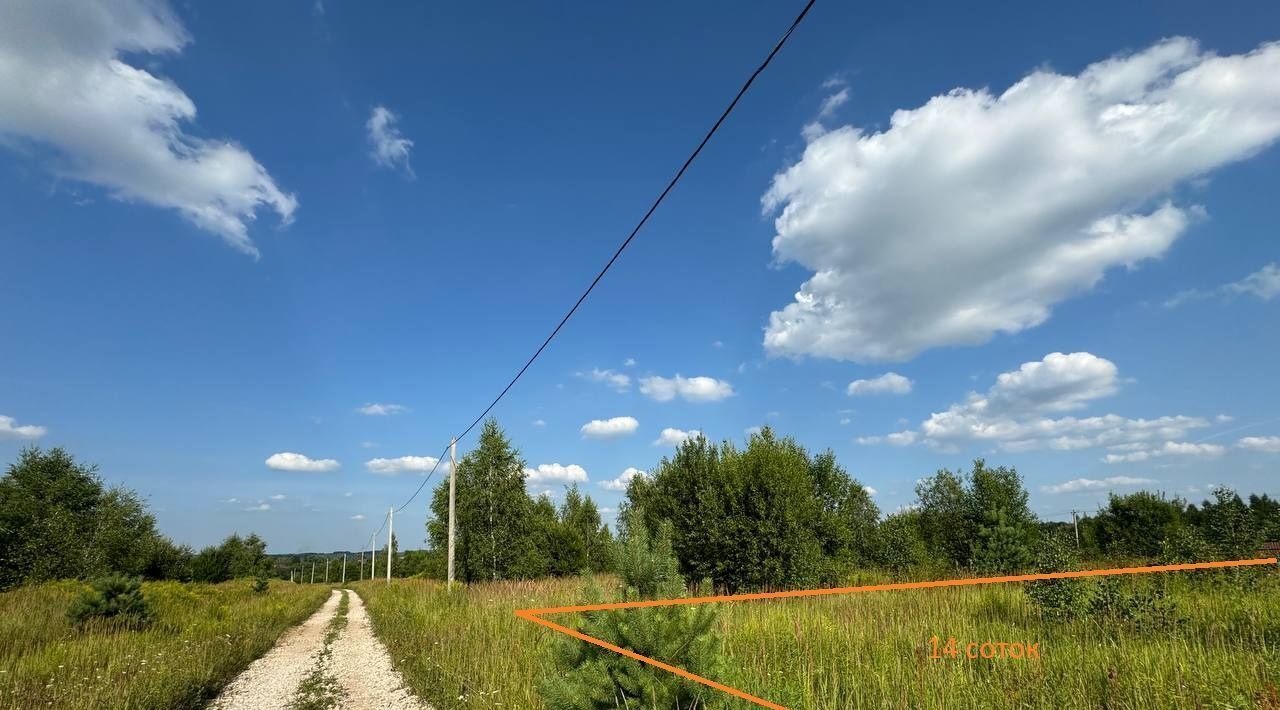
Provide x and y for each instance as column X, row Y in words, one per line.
column 58, row 520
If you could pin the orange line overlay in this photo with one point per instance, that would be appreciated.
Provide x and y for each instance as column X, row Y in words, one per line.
column 535, row 615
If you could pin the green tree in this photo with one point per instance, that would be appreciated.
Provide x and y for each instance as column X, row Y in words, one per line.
column 1137, row 523
column 494, row 514
column 962, row 515
column 579, row 515
column 593, row 678
column 902, row 547
column 1229, row 526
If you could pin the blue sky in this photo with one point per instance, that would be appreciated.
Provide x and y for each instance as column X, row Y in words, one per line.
column 228, row 228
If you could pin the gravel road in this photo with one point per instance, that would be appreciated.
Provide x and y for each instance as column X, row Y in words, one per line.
column 359, row 662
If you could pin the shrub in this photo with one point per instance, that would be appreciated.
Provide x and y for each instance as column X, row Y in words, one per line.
column 260, row 584
column 114, row 597
column 1059, row 598
column 593, row 678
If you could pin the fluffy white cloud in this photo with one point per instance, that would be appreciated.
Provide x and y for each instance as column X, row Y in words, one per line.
column 9, row 429
column 1093, row 484
column 617, row 380
column 674, row 437
column 405, row 464
column 623, row 480
column 65, row 85
column 259, row 507
column 1030, row 197
column 691, row 389
column 377, row 409
column 389, row 147
column 289, row 461
column 1168, row 448
column 1017, row 413
column 629, row 362
column 357, row 516
column 870, row 491
column 888, row 383
column 610, row 428
column 278, row 496
column 1269, row 444
column 555, row 473
column 539, row 423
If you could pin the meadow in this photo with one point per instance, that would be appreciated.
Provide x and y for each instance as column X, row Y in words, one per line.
column 1213, row 642
column 201, row 636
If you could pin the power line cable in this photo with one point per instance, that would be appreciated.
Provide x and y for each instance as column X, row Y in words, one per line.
column 625, row 243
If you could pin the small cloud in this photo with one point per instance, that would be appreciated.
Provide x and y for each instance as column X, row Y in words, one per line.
column 278, row 496
column 9, row 429
column 1224, row 418
column 752, row 430
column 539, row 423
column 403, row 464
column 390, row 148
column 1093, row 484
column 717, row 344
column 690, row 389
column 376, row 409
column 289, row 461
column 870, row 491
column 368, row 444
column 348, row 494
column 629, row 362
column 618, row 381
column 623, row 480
column 1268, row 444
column 357, row 516
column 259, row 507
column 674, row 437
column 610, row 428
column 833, row 102
column 888, row 383
column 555, row 473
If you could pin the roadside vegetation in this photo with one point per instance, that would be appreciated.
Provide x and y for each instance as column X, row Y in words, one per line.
column 199, row 636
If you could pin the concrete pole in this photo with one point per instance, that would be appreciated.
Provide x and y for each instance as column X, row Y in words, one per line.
column 391, row 514
column 344, row 568
column 373, row 559
column 313, row 571
column 453, row 471
column 326, row 570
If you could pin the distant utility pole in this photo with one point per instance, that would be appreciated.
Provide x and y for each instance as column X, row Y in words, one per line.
column 373, row 558
column 362, row 565
column 391, row 522
column 326, row 570
column 344, row 568
column 453, row 472
column 313, row 571
column 1076, row 524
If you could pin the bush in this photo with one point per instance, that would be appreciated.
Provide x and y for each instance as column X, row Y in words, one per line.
column 260, row 584
column 114, row 597
column 1060, row 598
column 593, row 678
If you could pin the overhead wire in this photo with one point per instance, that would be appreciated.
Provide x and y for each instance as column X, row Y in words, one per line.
column 621, row 247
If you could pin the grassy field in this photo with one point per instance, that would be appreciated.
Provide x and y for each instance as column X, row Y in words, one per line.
column 202, row 636
column 1215, row 645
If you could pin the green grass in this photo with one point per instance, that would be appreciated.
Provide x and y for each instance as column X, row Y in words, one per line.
column 1219, row 647
column 201, row 636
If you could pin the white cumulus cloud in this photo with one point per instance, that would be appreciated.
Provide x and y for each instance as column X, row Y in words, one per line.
column 976, row 213
column 1269, row 444
column 610, row 428
column 65, row 85
column 623, row 480
column 555, row 473
column 1094, row 484
column 691, row 389
column 405, row 464
column 888, row 383
column 674, row 437
column 289, row 461
column 390, row 148
column 1021, row 411
column 1168, row 448
column 9, row 429
column 357, row 516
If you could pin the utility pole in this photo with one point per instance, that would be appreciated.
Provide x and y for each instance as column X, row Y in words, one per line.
column 344, row 568
column 362, row 565
column 313, row 571
column 326, row 570
column 391, row 522
column 1076, row 524
column 453, row 472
